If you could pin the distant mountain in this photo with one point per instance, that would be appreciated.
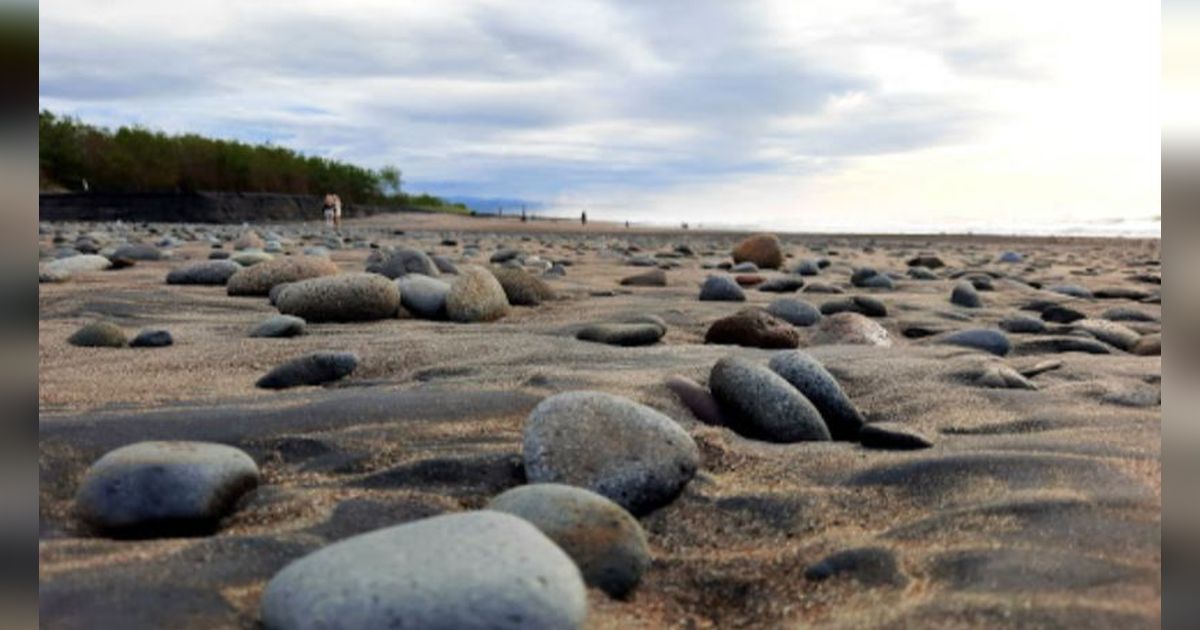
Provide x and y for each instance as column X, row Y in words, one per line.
column 492, row 205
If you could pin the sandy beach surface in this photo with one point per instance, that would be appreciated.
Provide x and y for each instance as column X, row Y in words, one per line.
column 1035, row 506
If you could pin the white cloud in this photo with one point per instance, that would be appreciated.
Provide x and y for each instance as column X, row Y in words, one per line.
column 939, row 112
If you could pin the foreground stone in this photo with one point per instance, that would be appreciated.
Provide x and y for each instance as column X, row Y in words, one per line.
column 164, row 488
column 606, row 543
column 753, row 327
column 423, row 296
column 472, row 570
column 476, row 296
column 98, row 335
column 350, row 297
column 259, row 278
column 760, row 404
column 311, row 369
column 521, row 288
column 610, row 445
column 763, row 250
column 811, row 378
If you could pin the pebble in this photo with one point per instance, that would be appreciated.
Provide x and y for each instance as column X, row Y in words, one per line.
column 760, row 404
column 697, row 399
column 928, row 261
column 152, row 339
column 753, row 327
column 467, row 571
column 212, row 272
column 138, row 251
column 783, row 284
column 984, row 339
column 1003, row 377
column 1072, row 290
column 349, row 297
column 152, row 489
column 652, row 278
column 1148, row 345
column 965, row 295
column 622, row 334
column 892, row 437
column 1059, row 314
column 869, row 566
column 1127, row 314
column 921, row 273
column 311, row 369
column 623, row 450
column 794, row 311
column 423, row 296
column 853, row 329
column 1111, row 333
column 505, row 255
column 721, row 289
column 744, row 267
column 807, row 267
column 764, row 250
column 83, row 263
column 1022, row 324
column 1010, row 257
column 251, row 258
column 862, row 304
column 100, row 334
column 260, row 278
column 279, row 326
column 403, row 261
column 476, row 296
column 522, row 288
column 811, row 378
column 444, row 265
column 606, row 542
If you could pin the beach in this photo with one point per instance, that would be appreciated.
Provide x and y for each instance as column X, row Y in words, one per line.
column 1034, row 499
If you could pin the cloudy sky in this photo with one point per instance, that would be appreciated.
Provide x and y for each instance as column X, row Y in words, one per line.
column 871, row 115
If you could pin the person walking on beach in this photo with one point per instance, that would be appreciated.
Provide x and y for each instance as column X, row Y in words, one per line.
column 583, row 217
column 333, row 211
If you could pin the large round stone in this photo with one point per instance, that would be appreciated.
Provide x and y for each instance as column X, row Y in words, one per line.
column 753, row 327
column 310, row 369
column 763, row 250
column 466, row 571
column 476, row 296
column 210, row 272
column 258, row 279
column 164, row 488
column 625, row 451
column 350, row 297
column 760, row 404
column 521, row 288
column 606, row 543
column 423, row 296
column 811, row 378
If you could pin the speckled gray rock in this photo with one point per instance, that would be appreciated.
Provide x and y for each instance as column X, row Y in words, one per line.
column 310, row 369
column 349, row 297
column 279, row 326
column 164, row 488
column 211, row 272
column 98, row 334
column 811, row 378
column 152, row 339
column 606, row 543
column 522, row 288
column 721, row 289
column 476, row 296
column 625, row 451
column 79, row 264
column 964, row 295
column 985, row 339
column 403, row 261
column 622, row 334
column 260, row 278
column 794, row 311
column 467, row 571
column 423, row 296
column 1111, row 333
column 758, row 403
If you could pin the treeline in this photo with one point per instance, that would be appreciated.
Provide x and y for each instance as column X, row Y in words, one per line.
column 77, row 156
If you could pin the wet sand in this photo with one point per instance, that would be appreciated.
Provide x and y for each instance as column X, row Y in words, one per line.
column 1034, row 508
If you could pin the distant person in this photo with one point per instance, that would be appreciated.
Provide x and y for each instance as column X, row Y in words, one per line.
column 583, row 217
column 523, row 217
column 627, row 224
column 333, row 211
